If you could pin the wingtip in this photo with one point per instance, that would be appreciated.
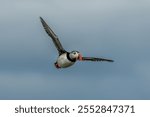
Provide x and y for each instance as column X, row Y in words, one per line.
column 111, row 60
column 40, row 17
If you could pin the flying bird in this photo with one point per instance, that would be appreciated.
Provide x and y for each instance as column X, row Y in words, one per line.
column 65, row 58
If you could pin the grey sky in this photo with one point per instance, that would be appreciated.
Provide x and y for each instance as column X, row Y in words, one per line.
column 117, row 29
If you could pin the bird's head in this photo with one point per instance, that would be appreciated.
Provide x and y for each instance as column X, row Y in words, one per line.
column 75, row 55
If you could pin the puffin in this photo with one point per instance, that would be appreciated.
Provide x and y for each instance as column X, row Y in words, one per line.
column 65, row 58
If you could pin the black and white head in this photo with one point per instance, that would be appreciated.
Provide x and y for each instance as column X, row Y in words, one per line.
column 75, row 55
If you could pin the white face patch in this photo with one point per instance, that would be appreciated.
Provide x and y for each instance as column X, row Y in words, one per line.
column 74, row 54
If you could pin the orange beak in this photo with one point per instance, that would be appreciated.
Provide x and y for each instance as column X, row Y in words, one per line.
column 80, row 57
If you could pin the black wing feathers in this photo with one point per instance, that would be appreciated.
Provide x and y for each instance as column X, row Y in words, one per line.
column 53, row 36
column 95, row 59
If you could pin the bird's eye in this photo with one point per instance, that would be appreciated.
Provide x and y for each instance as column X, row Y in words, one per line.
column 74, row 53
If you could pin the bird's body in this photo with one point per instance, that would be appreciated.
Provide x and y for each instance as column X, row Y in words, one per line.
column 67, row 59
column 63, row 61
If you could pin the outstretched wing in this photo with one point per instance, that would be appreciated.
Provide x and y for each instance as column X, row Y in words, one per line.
column 95, row 59
column 53, row 36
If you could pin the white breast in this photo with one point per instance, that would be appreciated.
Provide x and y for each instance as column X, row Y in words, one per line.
column 63, row 62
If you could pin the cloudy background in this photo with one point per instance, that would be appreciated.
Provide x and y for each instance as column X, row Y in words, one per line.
column 115, row 29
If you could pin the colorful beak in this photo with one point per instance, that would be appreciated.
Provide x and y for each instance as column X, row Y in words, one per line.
column 80, row 57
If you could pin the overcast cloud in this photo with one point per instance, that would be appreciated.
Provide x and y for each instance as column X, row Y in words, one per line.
column 115, row 29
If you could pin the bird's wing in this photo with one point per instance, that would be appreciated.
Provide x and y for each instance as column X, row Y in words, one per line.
column 95, row 59
column 53, row 36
